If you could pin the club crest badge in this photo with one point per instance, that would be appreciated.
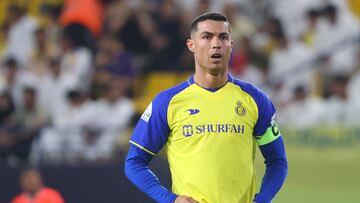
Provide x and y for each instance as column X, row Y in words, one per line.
column 239, row 109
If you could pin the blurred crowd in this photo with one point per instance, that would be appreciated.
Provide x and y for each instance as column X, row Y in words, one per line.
column 71, row 70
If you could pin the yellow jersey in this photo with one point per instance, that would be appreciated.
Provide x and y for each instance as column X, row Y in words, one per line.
column 209, row 137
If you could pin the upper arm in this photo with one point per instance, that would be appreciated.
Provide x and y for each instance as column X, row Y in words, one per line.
column 152, row 129
column 265, row 130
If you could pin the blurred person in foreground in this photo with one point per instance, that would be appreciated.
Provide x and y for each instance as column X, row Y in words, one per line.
column 210, row 126
column 34, row 190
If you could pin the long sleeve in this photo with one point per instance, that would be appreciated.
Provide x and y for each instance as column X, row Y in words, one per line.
column 138, row 172
column 276, row 170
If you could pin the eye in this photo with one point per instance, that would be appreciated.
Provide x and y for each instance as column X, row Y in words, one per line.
column 224, row 37
column 206, row 37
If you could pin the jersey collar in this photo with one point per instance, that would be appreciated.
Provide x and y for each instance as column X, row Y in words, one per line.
column 192, row 81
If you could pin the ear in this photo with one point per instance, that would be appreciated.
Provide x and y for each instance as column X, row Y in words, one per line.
column 190, row 44
column 232, row 45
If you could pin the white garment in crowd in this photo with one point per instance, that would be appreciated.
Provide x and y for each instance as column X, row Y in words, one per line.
column 302, row 114
column 77, row 69
column 67, row 140
column 253, row 75
column 62, row 141
column 292, row 14
column 52, row 95
column 290, row 67
column 112, row 121
column 21, row 39
column 339, row 42
column 341, row 112
column 23, row 78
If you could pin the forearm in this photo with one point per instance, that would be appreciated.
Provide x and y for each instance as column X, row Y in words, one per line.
column 138, row 172
column 276, row 170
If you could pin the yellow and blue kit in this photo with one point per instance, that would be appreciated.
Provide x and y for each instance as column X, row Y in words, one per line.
column 210, row 138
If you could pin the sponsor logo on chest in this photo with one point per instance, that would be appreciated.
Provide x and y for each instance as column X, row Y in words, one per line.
column 217, row 129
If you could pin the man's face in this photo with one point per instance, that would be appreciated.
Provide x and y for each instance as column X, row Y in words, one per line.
column 31, row 181
column 211, row 45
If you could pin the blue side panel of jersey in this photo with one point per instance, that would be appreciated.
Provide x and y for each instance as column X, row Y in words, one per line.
column 152, row 135
column 266, row 109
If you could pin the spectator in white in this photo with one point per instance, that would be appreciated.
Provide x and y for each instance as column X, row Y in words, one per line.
column 53, row 30
column 288, row 67
column 263, row 39
column 312, row 18
column 110, row 125
column 292, row 15
column 52, row 91
column 41, row 54
column 89, row 131
column 334, row 39
column 77, row 63
column 13, row 78
column 304, row 110
column 62, row 142
column 21, row 34
column 340, row 109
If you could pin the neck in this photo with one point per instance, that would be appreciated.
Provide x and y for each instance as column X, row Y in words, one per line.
column 32, row 193
column 208, row 80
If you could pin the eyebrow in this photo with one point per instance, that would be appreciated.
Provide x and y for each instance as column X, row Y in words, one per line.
column 206, row 33
column 210, row 33
column 224, row 34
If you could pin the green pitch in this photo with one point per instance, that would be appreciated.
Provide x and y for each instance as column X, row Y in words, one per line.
column 329, row 175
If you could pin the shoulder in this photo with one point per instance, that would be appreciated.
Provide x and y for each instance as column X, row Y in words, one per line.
column 50, row 191
column 53, row 194
column 159, row 105
column 256, row 93
column 19, row 198
column 164, row 97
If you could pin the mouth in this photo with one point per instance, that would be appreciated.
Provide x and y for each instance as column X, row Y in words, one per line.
column 216, row 56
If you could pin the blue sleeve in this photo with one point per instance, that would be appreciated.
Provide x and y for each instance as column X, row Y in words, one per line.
column 152, row 130
column 138, row 172
column 266, row 112
column 276, row 170
column 149, row 136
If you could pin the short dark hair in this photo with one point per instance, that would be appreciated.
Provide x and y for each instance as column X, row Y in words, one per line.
column 11, row 62
column 208, row 16
column 73, row 94
column 330, row 9
column 313, row 13
column 29, row 89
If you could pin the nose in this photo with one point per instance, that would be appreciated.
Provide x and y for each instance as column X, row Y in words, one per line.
column 216, row 43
